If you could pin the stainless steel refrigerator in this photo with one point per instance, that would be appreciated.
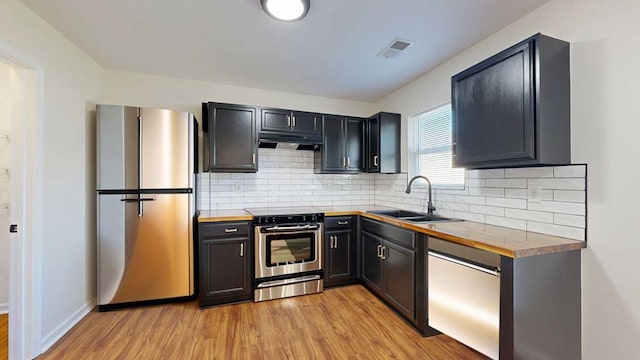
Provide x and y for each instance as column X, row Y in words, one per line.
column 145, row 181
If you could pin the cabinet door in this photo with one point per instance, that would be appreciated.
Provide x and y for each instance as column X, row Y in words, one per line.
column 493, row 109
column 354, row 144
column 339, row 263
column 225, row 267
column 305, row 123
column 373, row 144
column 275, row 120
column 371, row 262
column 333, row 151
column 232, row 134
column 399, row 277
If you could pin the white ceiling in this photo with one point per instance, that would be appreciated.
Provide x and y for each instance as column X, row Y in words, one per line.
column 330, row 53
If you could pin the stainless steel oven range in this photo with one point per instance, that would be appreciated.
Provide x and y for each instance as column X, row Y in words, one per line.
column 288, row 256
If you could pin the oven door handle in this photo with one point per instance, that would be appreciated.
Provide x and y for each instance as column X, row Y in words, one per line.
column 290, row 228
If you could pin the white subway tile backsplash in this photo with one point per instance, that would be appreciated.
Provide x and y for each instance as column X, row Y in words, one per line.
column 577, row 171
column 557, row 230
column 495, row 196
column 539, row 216
column 475, row 183
column 558, row 207
column 506, row 222
column 507, row 203
column 495, row 192
column 487, row 210
column 569, row 196
column 478, row 200
column 485, row 174
column 469, row 216
column 534, row 172
column 507, row 183
column 570, row 220
column 559, row 184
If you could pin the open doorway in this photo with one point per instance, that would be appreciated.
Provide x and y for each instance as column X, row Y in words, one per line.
column 5, row 203
column 20, row 115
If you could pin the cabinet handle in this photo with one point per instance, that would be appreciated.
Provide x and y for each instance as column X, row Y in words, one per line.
column 344, row 161
column 343, row 223
column 382, row 253
column 241, row 249
column 231, row 230
column 335, row 239
column 375, row 160
column 379, row 248
column 253, row 158
column 454, row 148
column 348, row 161
column 288, row 120
column 293, row 121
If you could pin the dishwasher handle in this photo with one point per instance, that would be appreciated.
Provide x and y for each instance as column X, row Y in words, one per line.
column 485, row 269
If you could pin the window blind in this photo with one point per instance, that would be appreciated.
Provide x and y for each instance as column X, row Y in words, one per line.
column 432, row 155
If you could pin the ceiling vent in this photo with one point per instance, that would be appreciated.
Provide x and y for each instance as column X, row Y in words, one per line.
column 395, row 48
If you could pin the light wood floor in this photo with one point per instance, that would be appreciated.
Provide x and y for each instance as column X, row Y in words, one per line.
column 4, row 337
column 341, row 323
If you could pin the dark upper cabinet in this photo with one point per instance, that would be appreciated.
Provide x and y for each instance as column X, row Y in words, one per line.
column 231, row 143
column 340, row 251
column 513, row 109
column 275, row 120
column 343, row 145
column 224, row 262
column 279, row 125
column 383, row 143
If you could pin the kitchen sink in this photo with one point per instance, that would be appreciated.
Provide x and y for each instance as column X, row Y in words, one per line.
column 397, row 213
column 411, row 216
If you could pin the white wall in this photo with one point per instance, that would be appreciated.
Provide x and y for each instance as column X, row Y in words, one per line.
column 605, row 86
column 71, row 81
column 5, row 126
column 137, row 89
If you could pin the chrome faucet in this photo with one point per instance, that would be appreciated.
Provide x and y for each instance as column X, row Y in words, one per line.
column 430, row 207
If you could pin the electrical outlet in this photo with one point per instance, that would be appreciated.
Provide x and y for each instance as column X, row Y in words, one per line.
column 534, row 193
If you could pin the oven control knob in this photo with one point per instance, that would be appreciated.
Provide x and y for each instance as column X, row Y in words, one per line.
column 313, row 218
column 273, row 220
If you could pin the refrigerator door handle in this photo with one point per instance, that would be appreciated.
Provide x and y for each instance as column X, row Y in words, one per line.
column 137, row 200
column 139, row 148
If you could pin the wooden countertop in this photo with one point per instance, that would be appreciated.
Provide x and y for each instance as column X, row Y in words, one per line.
column 224, row 215
column 504, row 241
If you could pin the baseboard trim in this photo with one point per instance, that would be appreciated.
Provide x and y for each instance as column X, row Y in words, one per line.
column 57, row 333
column 4, row 308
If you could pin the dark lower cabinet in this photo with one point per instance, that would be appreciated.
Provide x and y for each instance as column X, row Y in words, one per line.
column 340, row 251
column 389, row 266
column 400, row 277
column 224, row 263
column 371, row 262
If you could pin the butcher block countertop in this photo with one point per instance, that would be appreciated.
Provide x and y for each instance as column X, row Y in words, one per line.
column 504, row 241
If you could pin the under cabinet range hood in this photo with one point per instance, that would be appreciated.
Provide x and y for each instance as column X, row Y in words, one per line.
column 287, row 145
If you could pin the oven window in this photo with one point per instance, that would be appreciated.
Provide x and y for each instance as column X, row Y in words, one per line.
column 290, row 249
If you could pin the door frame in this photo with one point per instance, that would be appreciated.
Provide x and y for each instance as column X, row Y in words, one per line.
column 25, row 282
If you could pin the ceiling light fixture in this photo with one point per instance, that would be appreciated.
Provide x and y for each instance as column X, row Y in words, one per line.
column 286, row 10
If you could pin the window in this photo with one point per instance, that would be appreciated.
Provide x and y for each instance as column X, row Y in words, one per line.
column 432, row 148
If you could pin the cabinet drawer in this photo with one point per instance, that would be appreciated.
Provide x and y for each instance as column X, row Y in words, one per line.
column 339, row 222
column 225, row 229
column 394, row 234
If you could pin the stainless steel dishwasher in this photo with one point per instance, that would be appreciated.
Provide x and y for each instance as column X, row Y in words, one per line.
column 464, row 294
